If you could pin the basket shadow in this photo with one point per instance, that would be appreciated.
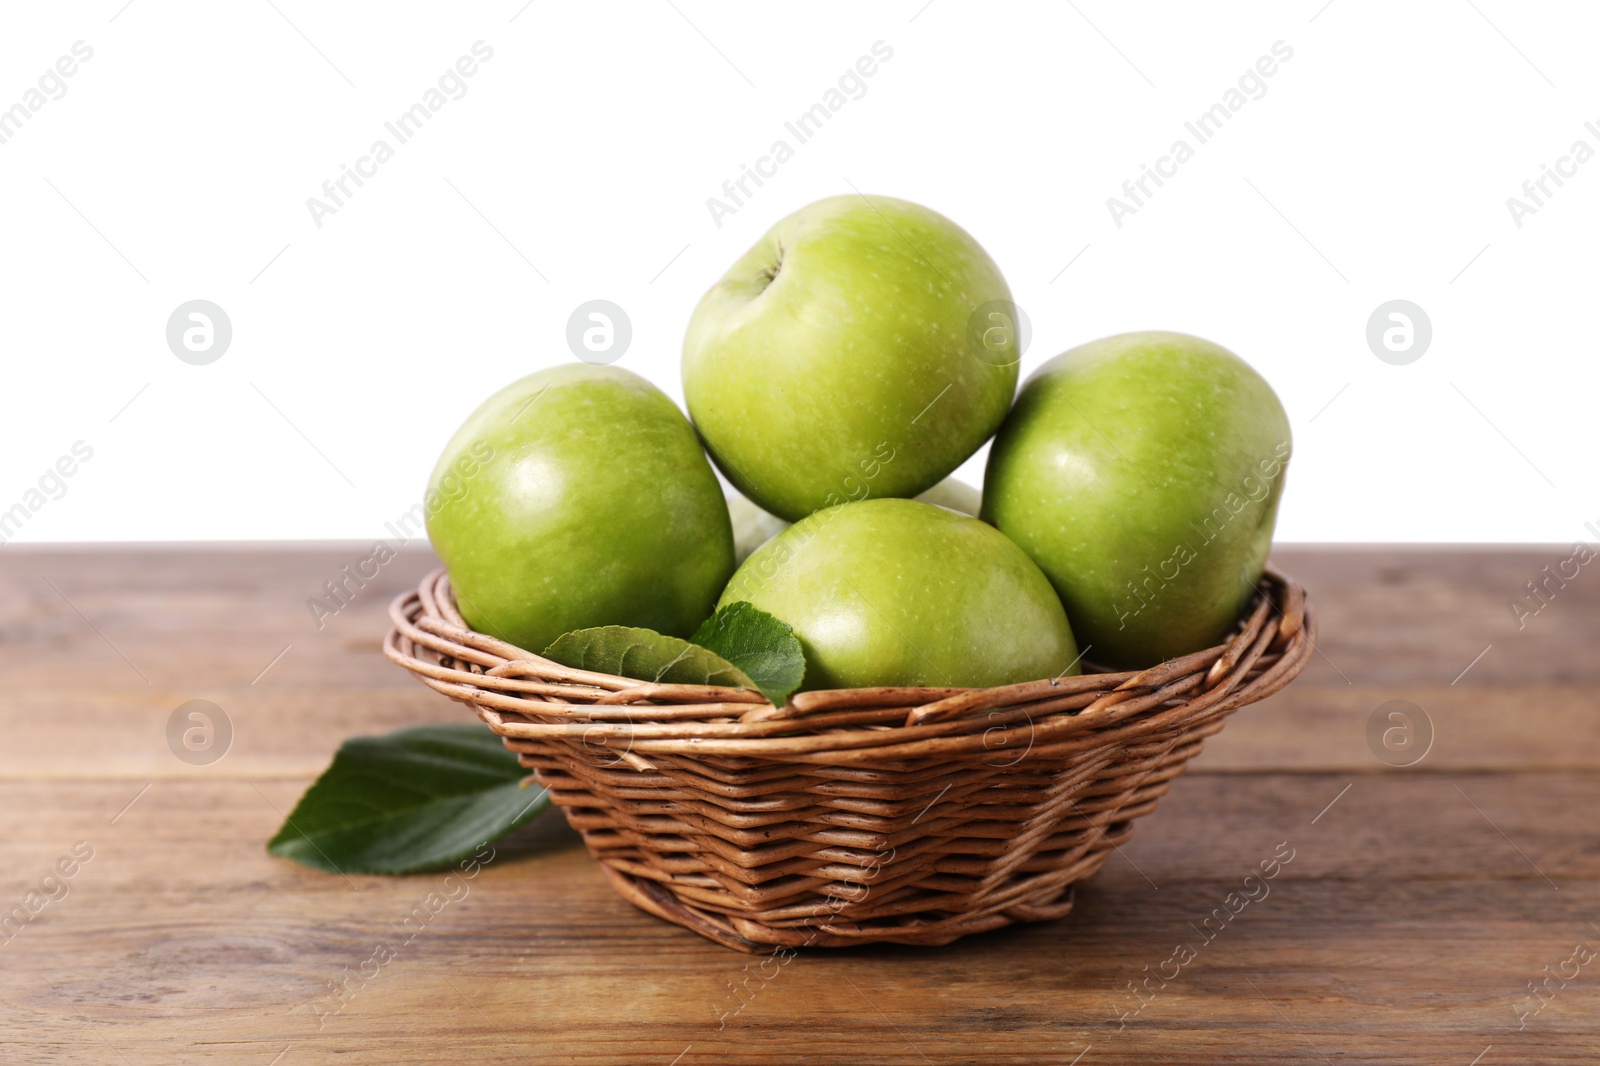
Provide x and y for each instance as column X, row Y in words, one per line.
column 547, row 835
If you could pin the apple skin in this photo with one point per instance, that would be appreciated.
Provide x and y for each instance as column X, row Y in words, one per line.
column 833, row 360
column 898, row 592
column 597, row 507
column 753, row 527
column 1142, row 472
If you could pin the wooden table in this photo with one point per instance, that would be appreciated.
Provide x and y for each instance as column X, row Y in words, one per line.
column 1420, row 903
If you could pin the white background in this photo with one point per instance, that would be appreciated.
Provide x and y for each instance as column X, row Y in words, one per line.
column 578, row 164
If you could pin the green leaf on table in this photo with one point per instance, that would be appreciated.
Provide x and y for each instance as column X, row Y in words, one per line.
column 762, row 646
column 646, row 655
column 412, row 800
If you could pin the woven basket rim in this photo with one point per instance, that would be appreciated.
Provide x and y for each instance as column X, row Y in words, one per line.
column 525, row 697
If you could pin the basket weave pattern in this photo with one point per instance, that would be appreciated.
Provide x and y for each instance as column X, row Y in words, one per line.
column 906, row 815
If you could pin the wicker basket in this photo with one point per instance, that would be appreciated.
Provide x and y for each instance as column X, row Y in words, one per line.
column 907, row 815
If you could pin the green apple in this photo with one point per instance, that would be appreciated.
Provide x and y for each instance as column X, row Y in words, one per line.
column 576, row 497
column 863, row 347
column 898, row 592
column 1142, row 472
column 753, row 527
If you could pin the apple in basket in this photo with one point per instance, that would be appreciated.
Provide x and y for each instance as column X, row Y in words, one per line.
column 595, row 507
column 899, row 592
column 838, row 356
column 1142, row 472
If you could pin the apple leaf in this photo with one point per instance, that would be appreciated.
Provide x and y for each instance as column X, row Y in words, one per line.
column 416, row 799
column 646, row 655
column 762, row 646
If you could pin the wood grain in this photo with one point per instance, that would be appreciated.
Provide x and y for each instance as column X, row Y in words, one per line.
column 1419, row 903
